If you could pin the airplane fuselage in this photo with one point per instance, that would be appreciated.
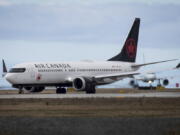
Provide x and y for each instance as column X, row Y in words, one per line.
column 63, row 72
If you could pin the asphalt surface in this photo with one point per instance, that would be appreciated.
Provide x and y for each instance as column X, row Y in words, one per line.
column 98, row 95
column 89, row 126
column 165, row 121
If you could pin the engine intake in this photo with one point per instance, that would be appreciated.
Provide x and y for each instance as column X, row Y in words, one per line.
column 82, row 83
column 165, row 82
column 79, row 83
column 132, row 82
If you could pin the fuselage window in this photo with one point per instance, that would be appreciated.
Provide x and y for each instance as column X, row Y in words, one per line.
column 17, row 70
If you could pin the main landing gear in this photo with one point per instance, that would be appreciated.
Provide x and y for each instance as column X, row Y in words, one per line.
column 61, row 90
column 91, row 89
column 21, row 91
column 159, row 83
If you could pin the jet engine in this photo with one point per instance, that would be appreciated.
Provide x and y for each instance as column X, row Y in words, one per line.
column 80, row 83
column 165, row 82
column 34, row 89
column 83, row 83
column 132, row 82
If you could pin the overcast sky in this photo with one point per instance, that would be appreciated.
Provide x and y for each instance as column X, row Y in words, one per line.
column 60, row 30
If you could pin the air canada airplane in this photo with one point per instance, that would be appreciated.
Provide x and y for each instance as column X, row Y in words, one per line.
column 83, row 75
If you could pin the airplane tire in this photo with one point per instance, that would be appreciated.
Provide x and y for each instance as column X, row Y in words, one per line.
column 61, row 90
column 20, row 91
column 91, row 90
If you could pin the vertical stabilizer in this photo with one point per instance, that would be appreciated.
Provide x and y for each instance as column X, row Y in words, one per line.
column 129, row 50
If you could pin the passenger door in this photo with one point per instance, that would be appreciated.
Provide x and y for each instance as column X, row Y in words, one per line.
column 32, row 73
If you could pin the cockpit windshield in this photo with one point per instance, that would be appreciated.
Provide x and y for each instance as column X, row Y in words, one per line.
column 17, row 70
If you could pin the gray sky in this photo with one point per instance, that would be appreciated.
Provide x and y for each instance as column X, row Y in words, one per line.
column 52, row 30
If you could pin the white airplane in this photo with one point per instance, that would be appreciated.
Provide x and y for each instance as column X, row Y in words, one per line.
column 150, row 77
column 82, row 76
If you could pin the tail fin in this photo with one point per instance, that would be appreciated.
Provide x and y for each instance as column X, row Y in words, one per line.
column 128, row 53
column 4, row 68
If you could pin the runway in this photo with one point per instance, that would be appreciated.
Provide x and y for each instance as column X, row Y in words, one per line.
column 118, row 112
column 98, row 95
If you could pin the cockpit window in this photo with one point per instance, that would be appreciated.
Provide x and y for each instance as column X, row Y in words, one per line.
column 17, row 70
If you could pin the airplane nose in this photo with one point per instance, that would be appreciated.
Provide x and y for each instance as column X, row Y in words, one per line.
column 10, row 78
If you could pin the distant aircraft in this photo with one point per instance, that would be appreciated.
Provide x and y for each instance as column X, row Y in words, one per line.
column 150, row 78
column 82, row 76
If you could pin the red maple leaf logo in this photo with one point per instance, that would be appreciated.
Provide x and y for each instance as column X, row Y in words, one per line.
column 38, row 77
column 131, row 48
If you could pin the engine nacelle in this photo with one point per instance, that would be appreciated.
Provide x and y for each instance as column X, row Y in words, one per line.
column 34, row 89
column 132, row 82
column 81, row 83
column 165, row 82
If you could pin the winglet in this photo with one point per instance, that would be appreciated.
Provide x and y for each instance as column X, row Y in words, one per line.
column 178, row 66
column 4, row 68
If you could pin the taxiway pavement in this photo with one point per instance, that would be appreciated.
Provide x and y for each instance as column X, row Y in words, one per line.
column 98, row 95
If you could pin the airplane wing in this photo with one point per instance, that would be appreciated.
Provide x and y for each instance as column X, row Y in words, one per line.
column 161, row 70
column 140, row 65
column 115, row 76
column 105, row 79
